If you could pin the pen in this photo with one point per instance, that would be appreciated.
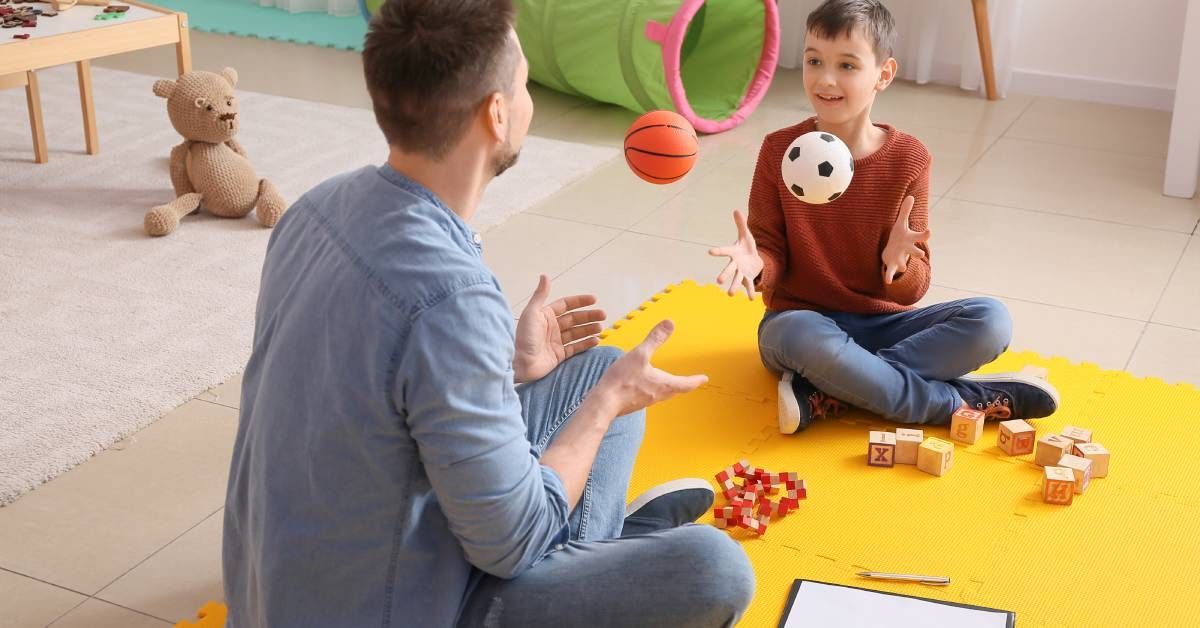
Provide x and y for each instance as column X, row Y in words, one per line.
column 904, row 577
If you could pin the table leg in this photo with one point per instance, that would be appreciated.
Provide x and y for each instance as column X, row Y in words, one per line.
column 33, row 99
column 183, row 49
column 984, row 32
column 91, row 137
column 1183, row 151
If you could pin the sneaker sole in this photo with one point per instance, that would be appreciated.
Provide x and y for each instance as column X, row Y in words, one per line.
column 668, row 487
column 789, row 406
column 1018, row 378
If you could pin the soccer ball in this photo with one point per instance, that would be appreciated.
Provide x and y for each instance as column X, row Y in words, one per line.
column 817, row 167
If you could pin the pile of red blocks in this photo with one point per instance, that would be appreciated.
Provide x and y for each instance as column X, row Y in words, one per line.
column 750, row 504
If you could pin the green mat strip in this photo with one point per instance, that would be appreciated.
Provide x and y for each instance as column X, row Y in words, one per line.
column 247, row 19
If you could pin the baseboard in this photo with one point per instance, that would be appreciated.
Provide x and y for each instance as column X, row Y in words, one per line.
column 1072, row 87
column 1093, row 89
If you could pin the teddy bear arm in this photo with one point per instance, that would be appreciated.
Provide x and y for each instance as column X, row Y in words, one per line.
column 179, row 172
column 236, row 146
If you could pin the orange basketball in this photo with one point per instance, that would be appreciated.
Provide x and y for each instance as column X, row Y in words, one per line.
column 661, row 147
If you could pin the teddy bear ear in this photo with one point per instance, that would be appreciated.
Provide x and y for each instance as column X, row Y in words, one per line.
column 230, row 75
column 164, row 88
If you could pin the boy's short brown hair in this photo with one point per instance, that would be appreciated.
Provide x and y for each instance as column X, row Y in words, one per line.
column 835, row 18
column 430, row 63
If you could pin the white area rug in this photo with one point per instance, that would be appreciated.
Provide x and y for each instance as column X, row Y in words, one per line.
column 103, row 329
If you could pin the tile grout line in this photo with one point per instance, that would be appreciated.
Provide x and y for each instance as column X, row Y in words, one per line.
column 1136, row 344
column 132, row 610
column 1108, row 151
column 987, row 150
column 1062, row 215
column 143, row 561
column 44, row 581
column 1154, row 310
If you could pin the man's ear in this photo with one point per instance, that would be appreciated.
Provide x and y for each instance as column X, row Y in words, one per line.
column 887, row 74
column 496, row 115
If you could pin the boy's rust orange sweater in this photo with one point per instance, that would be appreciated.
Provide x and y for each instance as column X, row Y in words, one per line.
column 828, row 257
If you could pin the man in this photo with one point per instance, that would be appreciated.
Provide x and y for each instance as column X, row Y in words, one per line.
column 405, row 456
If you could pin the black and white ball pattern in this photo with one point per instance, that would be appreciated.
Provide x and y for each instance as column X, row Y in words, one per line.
column 817, row 167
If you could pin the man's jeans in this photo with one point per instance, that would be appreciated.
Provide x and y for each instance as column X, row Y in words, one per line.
column 894, row 365
column 693, row 575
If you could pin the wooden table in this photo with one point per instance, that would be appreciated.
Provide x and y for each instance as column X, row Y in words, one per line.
column 75, row 36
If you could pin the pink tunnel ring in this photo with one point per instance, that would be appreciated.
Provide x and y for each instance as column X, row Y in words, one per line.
column 670, row 38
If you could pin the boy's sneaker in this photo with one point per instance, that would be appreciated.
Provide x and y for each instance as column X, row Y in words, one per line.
column 668, row 505
column 800, row 403
column 1005, row 396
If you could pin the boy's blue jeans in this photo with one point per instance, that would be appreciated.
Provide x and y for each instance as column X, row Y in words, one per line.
column 693, row 575
column 893, row 365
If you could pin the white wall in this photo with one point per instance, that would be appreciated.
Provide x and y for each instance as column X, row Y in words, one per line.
column 1119, row 51
column 1113, row 51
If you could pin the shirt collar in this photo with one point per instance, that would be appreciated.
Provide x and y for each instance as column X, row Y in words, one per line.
column 398, row 179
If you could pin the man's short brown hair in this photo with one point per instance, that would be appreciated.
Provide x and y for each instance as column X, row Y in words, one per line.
column 430, row 63
column 835, row 18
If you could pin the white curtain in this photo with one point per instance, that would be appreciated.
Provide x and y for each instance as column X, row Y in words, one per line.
column 936, row 39
column 340, row 8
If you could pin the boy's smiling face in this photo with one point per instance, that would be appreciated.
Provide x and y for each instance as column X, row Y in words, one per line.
column 843, row 74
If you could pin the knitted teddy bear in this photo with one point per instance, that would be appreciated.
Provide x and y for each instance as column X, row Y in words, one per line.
column 210, row 167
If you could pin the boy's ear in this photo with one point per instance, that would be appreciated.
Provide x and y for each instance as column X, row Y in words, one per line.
column 887, row 74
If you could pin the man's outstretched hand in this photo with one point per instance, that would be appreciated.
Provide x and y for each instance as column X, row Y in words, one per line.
column 632, row 383
column 902, row 243
column 548, row 333
column 744, row 262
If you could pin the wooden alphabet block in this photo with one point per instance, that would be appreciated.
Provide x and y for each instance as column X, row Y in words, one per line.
column 966, row 425
column 1097, row 454
column 1051, row 449
column 881, row 449
column 1077, row 434
column 1058, row 486
column 1081, row 467
column 935, row 456
column 1016, row 437
column 907, row 442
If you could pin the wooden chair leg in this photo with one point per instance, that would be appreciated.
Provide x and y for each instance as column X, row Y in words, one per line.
column 183, row 49
column 984, row 33
column 90, row 135
column 33, row 100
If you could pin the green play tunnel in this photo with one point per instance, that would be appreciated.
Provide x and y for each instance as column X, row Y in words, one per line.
column 711, row 62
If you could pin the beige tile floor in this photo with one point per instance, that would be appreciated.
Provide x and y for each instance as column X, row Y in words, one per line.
column 1053, row 206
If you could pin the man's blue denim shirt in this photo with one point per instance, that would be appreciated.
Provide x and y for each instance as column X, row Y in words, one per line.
column 381, row 452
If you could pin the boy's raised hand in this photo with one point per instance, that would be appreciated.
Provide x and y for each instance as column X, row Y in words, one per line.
column 902, row 243
column 744, row 263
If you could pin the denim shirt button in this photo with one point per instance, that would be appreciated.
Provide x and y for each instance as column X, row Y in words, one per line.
column 477, row 238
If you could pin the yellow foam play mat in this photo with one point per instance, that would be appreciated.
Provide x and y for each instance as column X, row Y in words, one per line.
column 1125, row 554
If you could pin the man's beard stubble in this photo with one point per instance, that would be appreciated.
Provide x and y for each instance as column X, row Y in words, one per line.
column 505, row 158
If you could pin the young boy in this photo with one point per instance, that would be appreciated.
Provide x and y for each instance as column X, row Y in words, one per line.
column 840, row 279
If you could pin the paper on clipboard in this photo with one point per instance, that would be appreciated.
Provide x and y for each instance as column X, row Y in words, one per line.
column 821, row 605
